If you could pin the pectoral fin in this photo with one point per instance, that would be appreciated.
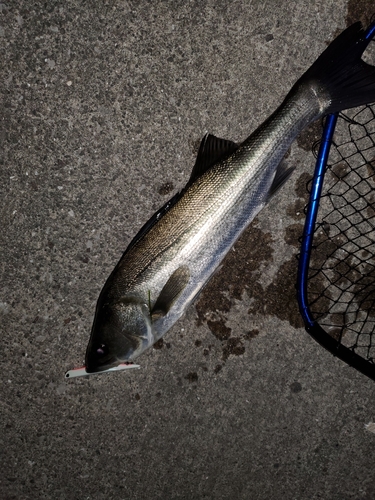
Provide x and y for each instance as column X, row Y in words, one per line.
column 170, row 292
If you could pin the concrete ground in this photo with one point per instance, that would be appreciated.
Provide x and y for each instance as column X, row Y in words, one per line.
column 104, row 105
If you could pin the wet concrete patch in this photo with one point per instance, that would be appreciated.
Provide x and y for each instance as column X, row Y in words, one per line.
column 310, row 136
column 239, row 272
column 160, row 344
column 296, row 387
column 293, row 234
column 296, row 210
column 359, row 10
column 234, row 346
column 364, row 290
column 192, row 377
column 279, row 298
column 219, row 329
column 337, row 278
column 165, row 188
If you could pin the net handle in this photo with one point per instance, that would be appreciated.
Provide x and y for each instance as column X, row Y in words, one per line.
column 312, row 212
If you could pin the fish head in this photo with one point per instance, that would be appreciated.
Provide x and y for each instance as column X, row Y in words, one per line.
column 120, row 332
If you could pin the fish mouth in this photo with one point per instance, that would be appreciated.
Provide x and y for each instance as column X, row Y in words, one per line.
column 99, row 358
column 95, row 365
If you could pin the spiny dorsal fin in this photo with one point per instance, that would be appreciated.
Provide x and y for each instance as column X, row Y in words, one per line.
column 281, row 176
column 211, row 150
column 170, row 292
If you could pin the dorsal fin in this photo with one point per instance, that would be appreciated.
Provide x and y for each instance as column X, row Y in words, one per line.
column 154, row 219
column 211, row 150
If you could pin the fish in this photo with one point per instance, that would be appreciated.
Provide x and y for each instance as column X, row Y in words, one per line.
column 177, row 251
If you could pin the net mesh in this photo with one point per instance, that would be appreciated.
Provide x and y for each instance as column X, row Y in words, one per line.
column 341, row 280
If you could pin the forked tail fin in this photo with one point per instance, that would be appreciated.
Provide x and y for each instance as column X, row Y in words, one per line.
column 341, row 73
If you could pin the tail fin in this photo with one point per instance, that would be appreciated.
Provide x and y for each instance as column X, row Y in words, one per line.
column 341, row 72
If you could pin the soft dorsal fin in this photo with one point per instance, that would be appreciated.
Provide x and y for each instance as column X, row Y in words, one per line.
column 281, row 176
column 170, row 292
column 154, row 219
column 211, row 150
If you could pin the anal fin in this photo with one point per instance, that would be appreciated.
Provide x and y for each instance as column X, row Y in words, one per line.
column 281, row 176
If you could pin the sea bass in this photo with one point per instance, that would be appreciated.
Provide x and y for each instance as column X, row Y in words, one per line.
column 177, row 251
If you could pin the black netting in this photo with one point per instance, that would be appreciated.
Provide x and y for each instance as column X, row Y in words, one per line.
column 341, row 285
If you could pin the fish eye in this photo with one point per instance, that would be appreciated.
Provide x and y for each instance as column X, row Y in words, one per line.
column 101, row 350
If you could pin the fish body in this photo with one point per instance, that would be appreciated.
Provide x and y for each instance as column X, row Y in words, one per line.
column 178, row 250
